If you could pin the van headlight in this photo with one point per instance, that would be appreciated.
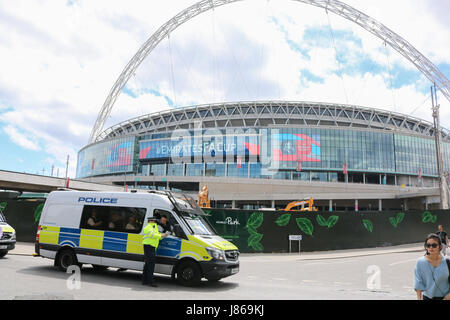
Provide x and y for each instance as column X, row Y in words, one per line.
column 215, row 253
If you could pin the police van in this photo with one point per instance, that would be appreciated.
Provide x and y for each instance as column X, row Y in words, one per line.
column 105, row 229
column 7, row 236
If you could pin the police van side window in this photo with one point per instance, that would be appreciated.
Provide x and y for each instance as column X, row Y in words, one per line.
column 158, row 213
column 118, row 219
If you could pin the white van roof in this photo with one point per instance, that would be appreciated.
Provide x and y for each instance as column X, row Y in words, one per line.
column 159, row 198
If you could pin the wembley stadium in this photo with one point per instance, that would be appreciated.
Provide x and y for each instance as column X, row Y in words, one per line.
column 264, row 154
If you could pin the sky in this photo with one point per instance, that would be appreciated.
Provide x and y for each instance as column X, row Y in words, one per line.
column 59, row 60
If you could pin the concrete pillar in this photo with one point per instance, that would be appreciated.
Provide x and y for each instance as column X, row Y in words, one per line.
column 331, row 205
column 405, row 202
column 356, row 205
column 273, row 204
column 380, row 205
column 233, row 204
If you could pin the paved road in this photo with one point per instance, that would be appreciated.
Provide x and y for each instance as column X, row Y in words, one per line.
column 267, row 276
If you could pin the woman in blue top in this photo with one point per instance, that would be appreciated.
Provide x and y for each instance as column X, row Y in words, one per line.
column 432, row 273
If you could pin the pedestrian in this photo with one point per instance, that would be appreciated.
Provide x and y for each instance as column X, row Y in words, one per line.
column 444, row 239
column 150, row 240
column 431, row 274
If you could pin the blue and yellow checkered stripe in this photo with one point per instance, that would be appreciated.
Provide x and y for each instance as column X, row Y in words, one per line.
column 105, row 240
column 92, row 239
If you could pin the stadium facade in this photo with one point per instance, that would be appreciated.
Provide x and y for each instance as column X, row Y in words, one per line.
column 268, row 153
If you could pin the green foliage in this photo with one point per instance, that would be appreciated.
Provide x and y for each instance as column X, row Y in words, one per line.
column 253, row 223
column 254, row 239
column 255, row 220
column 258, row 246
column 395, row 221
column 427, row 216
column 330, row 223
column 305, row 225
column 368, row 225
column 321, row 221
column 283, row 220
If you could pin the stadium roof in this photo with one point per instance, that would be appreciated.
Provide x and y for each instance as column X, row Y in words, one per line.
column 266, row 114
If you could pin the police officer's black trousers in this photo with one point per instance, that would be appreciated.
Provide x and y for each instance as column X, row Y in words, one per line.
column 149, row 264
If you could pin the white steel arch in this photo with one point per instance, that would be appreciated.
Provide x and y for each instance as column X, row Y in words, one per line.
column 373, row 26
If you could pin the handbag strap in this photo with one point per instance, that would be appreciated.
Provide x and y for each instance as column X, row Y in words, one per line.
column 448, row 265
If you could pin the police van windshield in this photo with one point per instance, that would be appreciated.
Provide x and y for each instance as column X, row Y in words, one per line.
column 191, row 214
column 198, row 225
column 186, row 204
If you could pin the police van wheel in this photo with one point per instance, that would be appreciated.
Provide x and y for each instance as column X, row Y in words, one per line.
column 66, row 258
column 3, row 253
column 189, row 274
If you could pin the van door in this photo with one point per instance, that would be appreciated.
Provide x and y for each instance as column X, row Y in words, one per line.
column 110, row 236
column 169, row 248
column 91, row 235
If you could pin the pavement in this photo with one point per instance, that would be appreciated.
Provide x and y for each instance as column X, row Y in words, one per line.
column 27, row 249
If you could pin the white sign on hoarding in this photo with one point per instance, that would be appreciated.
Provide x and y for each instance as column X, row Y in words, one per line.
column 298, row 238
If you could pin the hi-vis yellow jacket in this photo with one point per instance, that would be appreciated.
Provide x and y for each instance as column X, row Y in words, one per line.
column 151, row 235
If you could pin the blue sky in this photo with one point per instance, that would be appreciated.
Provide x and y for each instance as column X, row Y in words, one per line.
column 60, row 59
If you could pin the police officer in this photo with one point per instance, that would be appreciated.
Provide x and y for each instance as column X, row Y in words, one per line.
column 151, row 237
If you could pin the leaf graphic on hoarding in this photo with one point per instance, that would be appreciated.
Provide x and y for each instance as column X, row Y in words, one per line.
column 305, row 225
column 255, row 220
column 427, row 216
column 251, row 230
column 254, row 238
column 400, row 217
column 283, row 220
column 3, row 206
column 433, row 218
column 253, row 223
column 258, row 246
column 38, row 212
column 368, row 225
column 393, row 221
column 321, row 221
column 332, row 221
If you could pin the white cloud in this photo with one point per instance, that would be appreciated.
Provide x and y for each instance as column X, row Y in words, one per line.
column 21, row 139
column 59, row 62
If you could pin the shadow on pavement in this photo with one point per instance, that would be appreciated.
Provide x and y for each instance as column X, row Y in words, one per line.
column 128, row 279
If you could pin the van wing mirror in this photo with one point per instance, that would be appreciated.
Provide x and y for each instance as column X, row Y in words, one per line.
column 179, row 233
